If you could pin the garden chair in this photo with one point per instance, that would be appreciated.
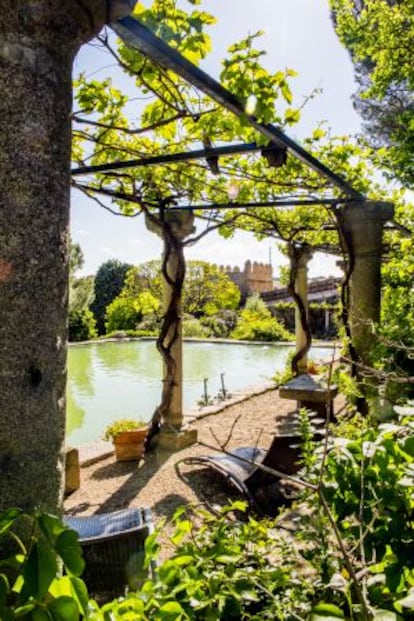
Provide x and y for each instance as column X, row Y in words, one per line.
column 242, row 466
column 113, row 546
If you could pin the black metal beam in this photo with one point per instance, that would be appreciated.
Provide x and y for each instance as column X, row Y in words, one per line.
column 135, row 34
column 304, row 202
column 170, row 158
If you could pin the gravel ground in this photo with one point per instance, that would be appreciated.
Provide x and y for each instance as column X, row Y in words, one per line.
column 162, row 485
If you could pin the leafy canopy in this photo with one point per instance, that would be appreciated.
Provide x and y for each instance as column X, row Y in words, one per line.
column 379, row 35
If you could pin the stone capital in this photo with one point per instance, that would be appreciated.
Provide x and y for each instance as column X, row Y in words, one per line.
column 372, row 211
column 181, row 223
column 363, row 225
column 301, row 254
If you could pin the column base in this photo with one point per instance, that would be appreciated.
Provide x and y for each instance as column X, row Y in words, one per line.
column 174, row 440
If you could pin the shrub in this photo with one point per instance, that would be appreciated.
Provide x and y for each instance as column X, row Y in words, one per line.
column 223, row 569
column 125, row 312
column 82, row 325
column 257, row 324
column 254, row 327
column 193, row 327
column 221, row 324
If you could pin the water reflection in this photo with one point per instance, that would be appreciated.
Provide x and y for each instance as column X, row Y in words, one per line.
column 128, row 359
column 110, row 380
column 76, row 414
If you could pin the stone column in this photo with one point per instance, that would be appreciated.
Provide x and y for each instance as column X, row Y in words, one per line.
column 301, row 255
column 174, row 417
column 174, row 228
column 38, row 41
column 363, row 225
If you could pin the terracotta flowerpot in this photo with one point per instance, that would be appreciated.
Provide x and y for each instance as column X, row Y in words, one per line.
column 129, row 445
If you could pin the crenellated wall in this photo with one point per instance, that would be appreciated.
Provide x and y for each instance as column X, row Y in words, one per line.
column 254, row 278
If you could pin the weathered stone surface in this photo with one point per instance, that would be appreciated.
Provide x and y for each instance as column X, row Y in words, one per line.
column 38, row 41
column 363, row 228
column 310, row 394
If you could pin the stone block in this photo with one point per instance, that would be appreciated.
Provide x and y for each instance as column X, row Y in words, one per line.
column 72, row 470
column 310, row 394
column 172, row 440
column 306, row 388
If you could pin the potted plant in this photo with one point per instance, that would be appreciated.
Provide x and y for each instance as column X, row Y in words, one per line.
column 128, row 436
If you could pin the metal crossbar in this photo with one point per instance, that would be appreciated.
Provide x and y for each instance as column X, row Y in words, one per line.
column 135, row 34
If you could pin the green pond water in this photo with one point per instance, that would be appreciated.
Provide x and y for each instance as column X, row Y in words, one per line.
column 123, row 379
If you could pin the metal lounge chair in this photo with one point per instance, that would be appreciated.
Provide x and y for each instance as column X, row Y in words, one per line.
column 113, row 549
column 242, row 466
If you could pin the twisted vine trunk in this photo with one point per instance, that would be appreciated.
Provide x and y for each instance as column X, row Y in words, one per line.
column 38, row 41
column 169, row 337
column 299, row 255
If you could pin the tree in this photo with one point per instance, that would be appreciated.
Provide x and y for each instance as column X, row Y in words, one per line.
column 38, row 43
column 125, row 311
column 208, row 289
column 379, row 35
column 82, row 324
column 144, row 277
column 257, row 324
column 109, row 281
column 76, row 259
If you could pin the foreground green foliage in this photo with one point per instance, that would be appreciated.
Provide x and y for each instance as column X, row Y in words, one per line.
column 346, row 551
column 32, row 584
column 224, row 569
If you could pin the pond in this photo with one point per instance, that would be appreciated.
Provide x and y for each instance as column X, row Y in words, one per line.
column 110, row 380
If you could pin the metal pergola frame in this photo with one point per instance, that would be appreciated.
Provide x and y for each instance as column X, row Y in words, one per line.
column 135, row 34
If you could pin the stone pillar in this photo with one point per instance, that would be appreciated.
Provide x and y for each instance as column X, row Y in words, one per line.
column 176, row 226
column 363, row 225
column 301, row 255
column 174, row 416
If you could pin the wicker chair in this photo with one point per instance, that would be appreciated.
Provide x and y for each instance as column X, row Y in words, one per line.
column 113, row 548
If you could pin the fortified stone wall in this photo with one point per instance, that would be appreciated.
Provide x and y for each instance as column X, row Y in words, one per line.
column 254, row 278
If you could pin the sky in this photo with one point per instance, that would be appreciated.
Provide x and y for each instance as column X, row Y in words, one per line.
column 299, row 35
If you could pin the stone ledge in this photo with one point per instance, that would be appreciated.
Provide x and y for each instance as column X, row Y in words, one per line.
column 306, row 388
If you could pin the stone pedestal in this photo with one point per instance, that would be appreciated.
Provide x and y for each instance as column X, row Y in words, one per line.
column 310, row 394
column 72, row 470
column 175, row 440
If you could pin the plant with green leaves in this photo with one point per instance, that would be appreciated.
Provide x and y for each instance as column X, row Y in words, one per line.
column 366, row 488
column 122, row 425
column 379, row 35
column 40, row 574
column 256, row 323
column 225, row 568
column 126, row 312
